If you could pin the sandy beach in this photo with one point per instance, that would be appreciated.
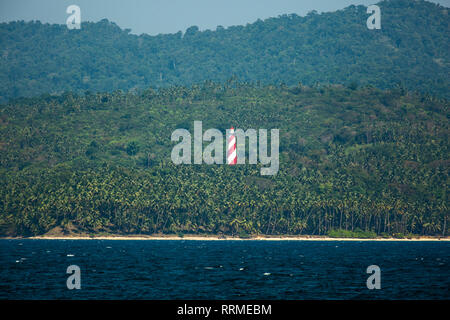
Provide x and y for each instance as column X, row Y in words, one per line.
column 221, row 238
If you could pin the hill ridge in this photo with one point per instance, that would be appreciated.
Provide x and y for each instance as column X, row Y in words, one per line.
column 411, row 48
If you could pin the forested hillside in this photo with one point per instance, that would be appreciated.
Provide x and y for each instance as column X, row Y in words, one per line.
column 412, row 48
column 350, row 159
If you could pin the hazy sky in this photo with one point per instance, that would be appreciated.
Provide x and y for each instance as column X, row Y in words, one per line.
column 169, row 16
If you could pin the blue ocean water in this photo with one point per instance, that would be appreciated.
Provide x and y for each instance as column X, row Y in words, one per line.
column 183, row 269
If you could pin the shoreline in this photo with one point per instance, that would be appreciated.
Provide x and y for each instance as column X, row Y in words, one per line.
column 216, row 238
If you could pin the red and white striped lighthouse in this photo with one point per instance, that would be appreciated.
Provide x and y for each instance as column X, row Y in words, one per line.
column 231, row 154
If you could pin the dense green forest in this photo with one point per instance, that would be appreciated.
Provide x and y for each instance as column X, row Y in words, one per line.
column 355, row 159
column 412, row 48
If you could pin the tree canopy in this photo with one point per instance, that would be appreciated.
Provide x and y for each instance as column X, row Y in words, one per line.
column 351, row 159
column 412, row 48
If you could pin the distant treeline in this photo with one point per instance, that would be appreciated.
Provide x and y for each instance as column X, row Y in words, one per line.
column 354, row 159
column 412, row 48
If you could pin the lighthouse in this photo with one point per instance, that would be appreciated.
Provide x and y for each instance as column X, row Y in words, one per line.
column 213, row 153
column 231, row 149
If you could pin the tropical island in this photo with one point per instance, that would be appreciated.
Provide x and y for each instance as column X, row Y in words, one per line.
column 363, row 122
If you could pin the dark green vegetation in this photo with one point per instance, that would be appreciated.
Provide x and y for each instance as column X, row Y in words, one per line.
column 412, row 48
column 362, row 160
column 357, row 233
